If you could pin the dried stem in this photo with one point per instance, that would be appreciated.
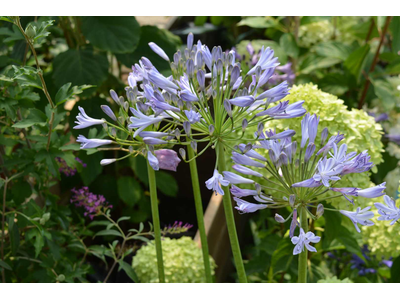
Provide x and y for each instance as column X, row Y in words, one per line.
column 374, row 62
column 2, row 228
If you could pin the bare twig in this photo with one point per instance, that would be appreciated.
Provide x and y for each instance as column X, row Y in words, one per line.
column 2, row 227
column 374, row 62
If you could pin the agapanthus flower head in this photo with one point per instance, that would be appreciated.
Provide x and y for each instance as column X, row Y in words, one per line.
column 93, row 204
column 301, row 176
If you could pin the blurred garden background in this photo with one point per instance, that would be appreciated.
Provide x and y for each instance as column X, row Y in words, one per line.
column 345, row 68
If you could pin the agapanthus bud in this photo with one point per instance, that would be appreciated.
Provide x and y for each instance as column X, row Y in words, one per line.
column 320, row 210
column 272, row 156
column 105, row 126
column 309, row 152
column 199, row 59
column 279, row 218
column 244, row 124
column 193, row 144
column 177, row 57
column 201, row 79
column 121, row 119
column 114, row 96
column 182, row 152
column 121, row 101
column 113, row 132
column 186, row 127
column 228, row 107
column 105, row 162
column 283, row 159
column 190, row 68
column 220, row 66
column 211, row 129
column 160, row 52
column 324, row 135
column 30, row 31
column 260, row 128
column 294, row 148
column 235, row 74
column 190, row 38
column 292, row 200
column 130, row 149
column 247, row 148
column 180, row 104
column 108, row 111
column 126, row 105
column 177, row 133
column 258, row 188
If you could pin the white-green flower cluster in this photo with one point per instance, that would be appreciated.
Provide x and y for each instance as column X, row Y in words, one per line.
column 183, row 262
column 315, row 32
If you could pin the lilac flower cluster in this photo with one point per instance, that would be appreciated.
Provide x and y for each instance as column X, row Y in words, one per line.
column 67, row 170
column 302, row 173
column 93, row 204
column 177, row 228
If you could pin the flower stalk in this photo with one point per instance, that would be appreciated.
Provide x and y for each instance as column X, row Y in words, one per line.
column 156, row 222
column 199, row 213
column 230, row 219
column 302, row 270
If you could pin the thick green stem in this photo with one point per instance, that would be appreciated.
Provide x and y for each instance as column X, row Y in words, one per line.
column 156, row 222
column 230, row 220
column 199, row 213
column 303, row 255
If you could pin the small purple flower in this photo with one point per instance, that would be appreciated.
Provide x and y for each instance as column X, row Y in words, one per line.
column 160, row 81
column 142, row 121
column 85, row 121
column 304, row 239
column 153, row 141
column 91, row 143
column 276, row 93
column 247, row 207
column 360, row 163
column 93, row 204
column 167, row 159
column 266, row 61
column 283, row 135
column 67, row 170
column 310, row 183
column 192, row 116
column 160, row 52
column 389, row 211
column 360, row 216
column 214, row 183
column 245, row 160
column 327, row 171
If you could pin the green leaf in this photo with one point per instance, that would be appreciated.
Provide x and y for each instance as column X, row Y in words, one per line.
column 116, row 34
column 49, row 158
column 123, row 219
column 334, row 83
column 129, row 190
column 80, row 67
column 166, row 183
column 333, row 49
column 110, row 232
column 312, row 19
column 66, row 93
column 355, row 61
column 139, row 237
column 88, row 175
column 128, row 270
column 395, row 29
column 288, row 42
column 27, row 76
column 20, row 191
column 163, row 38
column 312, row 63
column 99, row 223
column 347, row 239
column 139, row 166
column 282, row 256
column 36, row 117
column 42, row 31
column 393, row 68
column 7, row 19
column 200, row 20
column 384, row 91
column 5, row 265
column 332, row 227
column 259, row 22
column 395, row 270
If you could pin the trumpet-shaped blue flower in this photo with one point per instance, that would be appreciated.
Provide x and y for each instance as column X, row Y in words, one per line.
column 388, row 212
column 304, row 240
column 238, row 192
column 85, row 121
column 91, row 143
column 192, row 116
column 242, row 101
column 327, row 171
column 247, row 207
column 266, row 61
column 141, row 121
column 246, row 171
column 360, row 216
column 214, row 183
column 153, row 161
column 235, row 179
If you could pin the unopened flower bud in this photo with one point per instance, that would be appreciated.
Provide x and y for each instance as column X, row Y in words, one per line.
column 177, row 133
column 113, row 132
column 244, row 124
column 130, row 149
column 324, row 135
column 248, row 147
column 180, row 104
column 193, row 144
column 235, row 74
column 320, row 210
column 211, row 129
column 46, row 216
column 105, row 126
column 182, row 152
column 292, row 200
column 190, row 38
column 105, row 162
column 60, row 278
column 258, row 188
column 228, row 107
column 186, row 127
column 201, row 78
column 260, row 128
column 190, row 68
column 30, row 31
column 279, row 218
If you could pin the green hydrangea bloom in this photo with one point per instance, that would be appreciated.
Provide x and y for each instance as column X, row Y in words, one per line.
column 183, row 262
column 313, row 33
column 334, row 279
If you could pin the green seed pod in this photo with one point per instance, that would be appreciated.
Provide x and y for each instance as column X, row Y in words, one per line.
column 60, row 278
